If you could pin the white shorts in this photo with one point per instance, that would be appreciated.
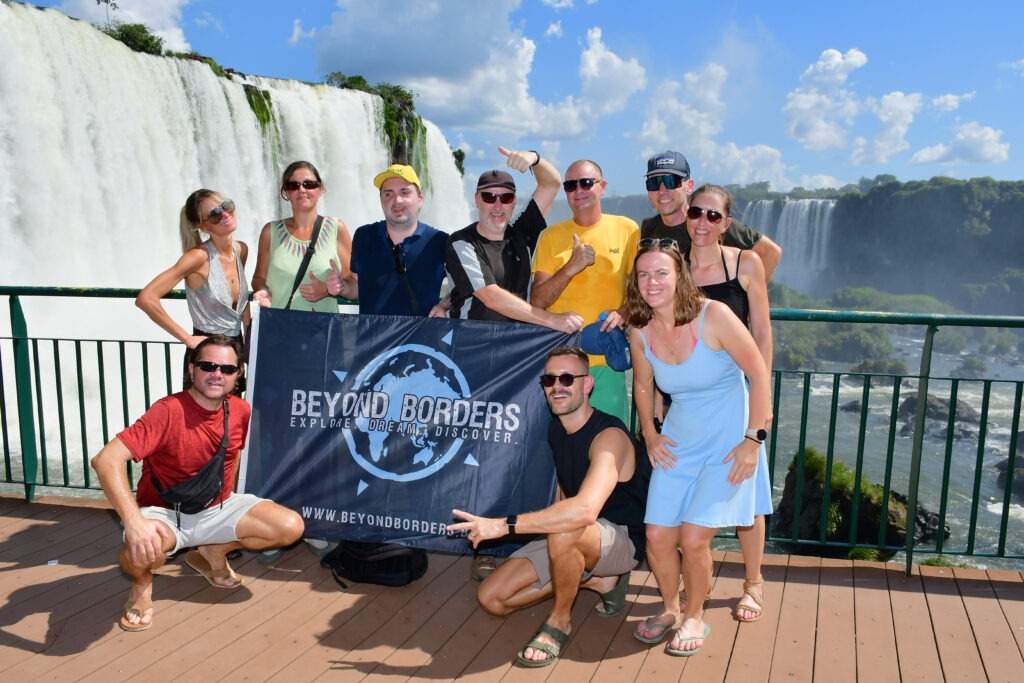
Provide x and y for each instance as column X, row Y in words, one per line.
column 213, row 525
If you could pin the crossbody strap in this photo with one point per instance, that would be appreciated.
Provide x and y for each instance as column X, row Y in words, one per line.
column 306, row 258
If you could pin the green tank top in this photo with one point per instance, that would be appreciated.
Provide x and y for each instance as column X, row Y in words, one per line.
column 286, row 255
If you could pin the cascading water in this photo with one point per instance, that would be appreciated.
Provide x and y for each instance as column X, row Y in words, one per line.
column 100, row 145
column 802, row 227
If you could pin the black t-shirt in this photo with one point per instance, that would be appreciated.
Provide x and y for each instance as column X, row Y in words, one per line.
column 473, row 262
column 628, row 500
column 738, row 235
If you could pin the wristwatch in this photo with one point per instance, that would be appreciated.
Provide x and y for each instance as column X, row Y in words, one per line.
column 758, row 435
column 510, row 521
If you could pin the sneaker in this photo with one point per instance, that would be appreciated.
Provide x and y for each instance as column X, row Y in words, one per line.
column 483, row 566
column 319, row 546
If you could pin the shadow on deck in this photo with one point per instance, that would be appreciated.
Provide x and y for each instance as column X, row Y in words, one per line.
column 826, row 620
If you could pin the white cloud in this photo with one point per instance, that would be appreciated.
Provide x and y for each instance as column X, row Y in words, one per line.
column 972, row 143
column 690, row 112
column 462, row 80
column 817, row 182
column 207, row 20
column 1017, row 66
column 298, row 34
column 558, row 4
column 951, row 102
column 820, row 111
column 608, row 80
column 895, row 111
column 833, row 67
column 554, row 30
column 162, row 17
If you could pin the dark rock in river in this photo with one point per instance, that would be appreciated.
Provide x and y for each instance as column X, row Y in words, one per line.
column 839, row 517
column 938, row 409
column 851, row 406
column 1018, row 473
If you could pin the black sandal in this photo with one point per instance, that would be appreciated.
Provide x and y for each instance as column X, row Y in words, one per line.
column 614, row 600
column 553, row 651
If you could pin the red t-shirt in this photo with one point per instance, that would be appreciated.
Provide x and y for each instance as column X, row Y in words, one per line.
column 177, row 436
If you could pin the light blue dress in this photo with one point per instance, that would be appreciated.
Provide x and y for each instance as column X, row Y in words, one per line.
column 707, row 419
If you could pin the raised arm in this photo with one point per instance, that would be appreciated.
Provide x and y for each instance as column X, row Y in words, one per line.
column 149, row 299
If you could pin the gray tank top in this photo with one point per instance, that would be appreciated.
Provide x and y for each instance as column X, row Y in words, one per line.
column 210, row 303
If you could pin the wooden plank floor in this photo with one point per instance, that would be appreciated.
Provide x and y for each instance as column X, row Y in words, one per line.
column 825, row 620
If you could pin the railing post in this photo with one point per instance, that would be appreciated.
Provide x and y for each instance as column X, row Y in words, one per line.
column 915, row 453
column 23, row 387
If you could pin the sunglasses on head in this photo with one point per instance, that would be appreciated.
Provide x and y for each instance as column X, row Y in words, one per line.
column 695, row 212
column 491, row 197
column 658, row 243
column 209, row 366
column 293, row 185
column 216, row 214
column 671, row 182
column 565, row 379
column 584, row 183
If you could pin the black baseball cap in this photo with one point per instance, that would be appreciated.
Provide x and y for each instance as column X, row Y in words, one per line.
column 668, row 162
column 495, row 178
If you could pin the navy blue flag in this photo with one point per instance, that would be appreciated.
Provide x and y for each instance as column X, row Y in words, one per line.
column 374, row 427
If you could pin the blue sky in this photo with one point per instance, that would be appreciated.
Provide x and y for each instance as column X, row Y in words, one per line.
column 795, row 93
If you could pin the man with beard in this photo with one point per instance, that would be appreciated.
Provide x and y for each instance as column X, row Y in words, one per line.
column 592, row 537
column 669, row 186
column 488, row 261
column 397, row 263
column 175, row 439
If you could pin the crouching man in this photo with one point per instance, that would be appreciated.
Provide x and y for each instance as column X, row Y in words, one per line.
column 593, row 536
column 189, row 444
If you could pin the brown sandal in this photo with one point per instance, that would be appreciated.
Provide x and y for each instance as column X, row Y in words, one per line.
column 755, row 591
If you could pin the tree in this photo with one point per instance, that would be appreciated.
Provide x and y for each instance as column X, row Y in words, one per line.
column 137, row 37
column 108, row 5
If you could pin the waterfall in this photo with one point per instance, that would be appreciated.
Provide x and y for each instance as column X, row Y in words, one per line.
column 802, row 227
column 100, row 145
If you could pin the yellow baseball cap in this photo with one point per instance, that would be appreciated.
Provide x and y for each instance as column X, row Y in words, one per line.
column 406, row 173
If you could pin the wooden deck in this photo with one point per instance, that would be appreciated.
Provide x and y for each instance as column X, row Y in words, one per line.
column 826, row 620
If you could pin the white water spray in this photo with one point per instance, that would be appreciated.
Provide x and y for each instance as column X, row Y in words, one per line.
column 803, row 228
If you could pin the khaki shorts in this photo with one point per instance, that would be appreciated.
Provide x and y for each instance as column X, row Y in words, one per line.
column 211, row 526
column 616, row 554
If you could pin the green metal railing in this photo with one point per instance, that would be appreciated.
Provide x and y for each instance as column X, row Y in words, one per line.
column 56, row 436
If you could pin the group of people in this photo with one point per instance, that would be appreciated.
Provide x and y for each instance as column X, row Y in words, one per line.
column 689, row 286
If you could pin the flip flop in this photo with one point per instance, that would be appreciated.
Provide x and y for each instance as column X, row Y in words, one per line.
column 141, row 624
column 661, row 629
column 677, row 652
column 196, row 560
column 614, row 600
column 553, row 651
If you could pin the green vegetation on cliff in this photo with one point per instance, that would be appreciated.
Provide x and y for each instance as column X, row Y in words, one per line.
column 137, row 37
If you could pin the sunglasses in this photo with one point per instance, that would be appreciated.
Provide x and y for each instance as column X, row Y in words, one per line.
column 658, row 243
column 208, row 366
column 293, row 185
column 396, row 253
column 695, row 212
column 491, row 197
column 565, row 379
column 216, row 214
column 671, row 182
column 584, row 183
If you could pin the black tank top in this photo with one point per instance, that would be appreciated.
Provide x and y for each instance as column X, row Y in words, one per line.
column 730, row 292
column 628, row 500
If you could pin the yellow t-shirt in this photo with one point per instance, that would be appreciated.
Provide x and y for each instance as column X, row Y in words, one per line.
column 601, row 286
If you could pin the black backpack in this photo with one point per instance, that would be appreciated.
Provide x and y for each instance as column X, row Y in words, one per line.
column 385, row 564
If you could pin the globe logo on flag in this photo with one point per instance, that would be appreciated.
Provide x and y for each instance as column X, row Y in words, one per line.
column 405, row 444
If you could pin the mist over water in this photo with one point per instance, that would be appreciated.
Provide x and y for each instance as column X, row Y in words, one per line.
column 803, row 227
column 100, row 145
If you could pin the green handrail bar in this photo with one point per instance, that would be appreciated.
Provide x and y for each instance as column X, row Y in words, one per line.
column 32, row 430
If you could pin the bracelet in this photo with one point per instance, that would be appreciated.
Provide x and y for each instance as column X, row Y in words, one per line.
column 753, row 439
column 538, row 158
